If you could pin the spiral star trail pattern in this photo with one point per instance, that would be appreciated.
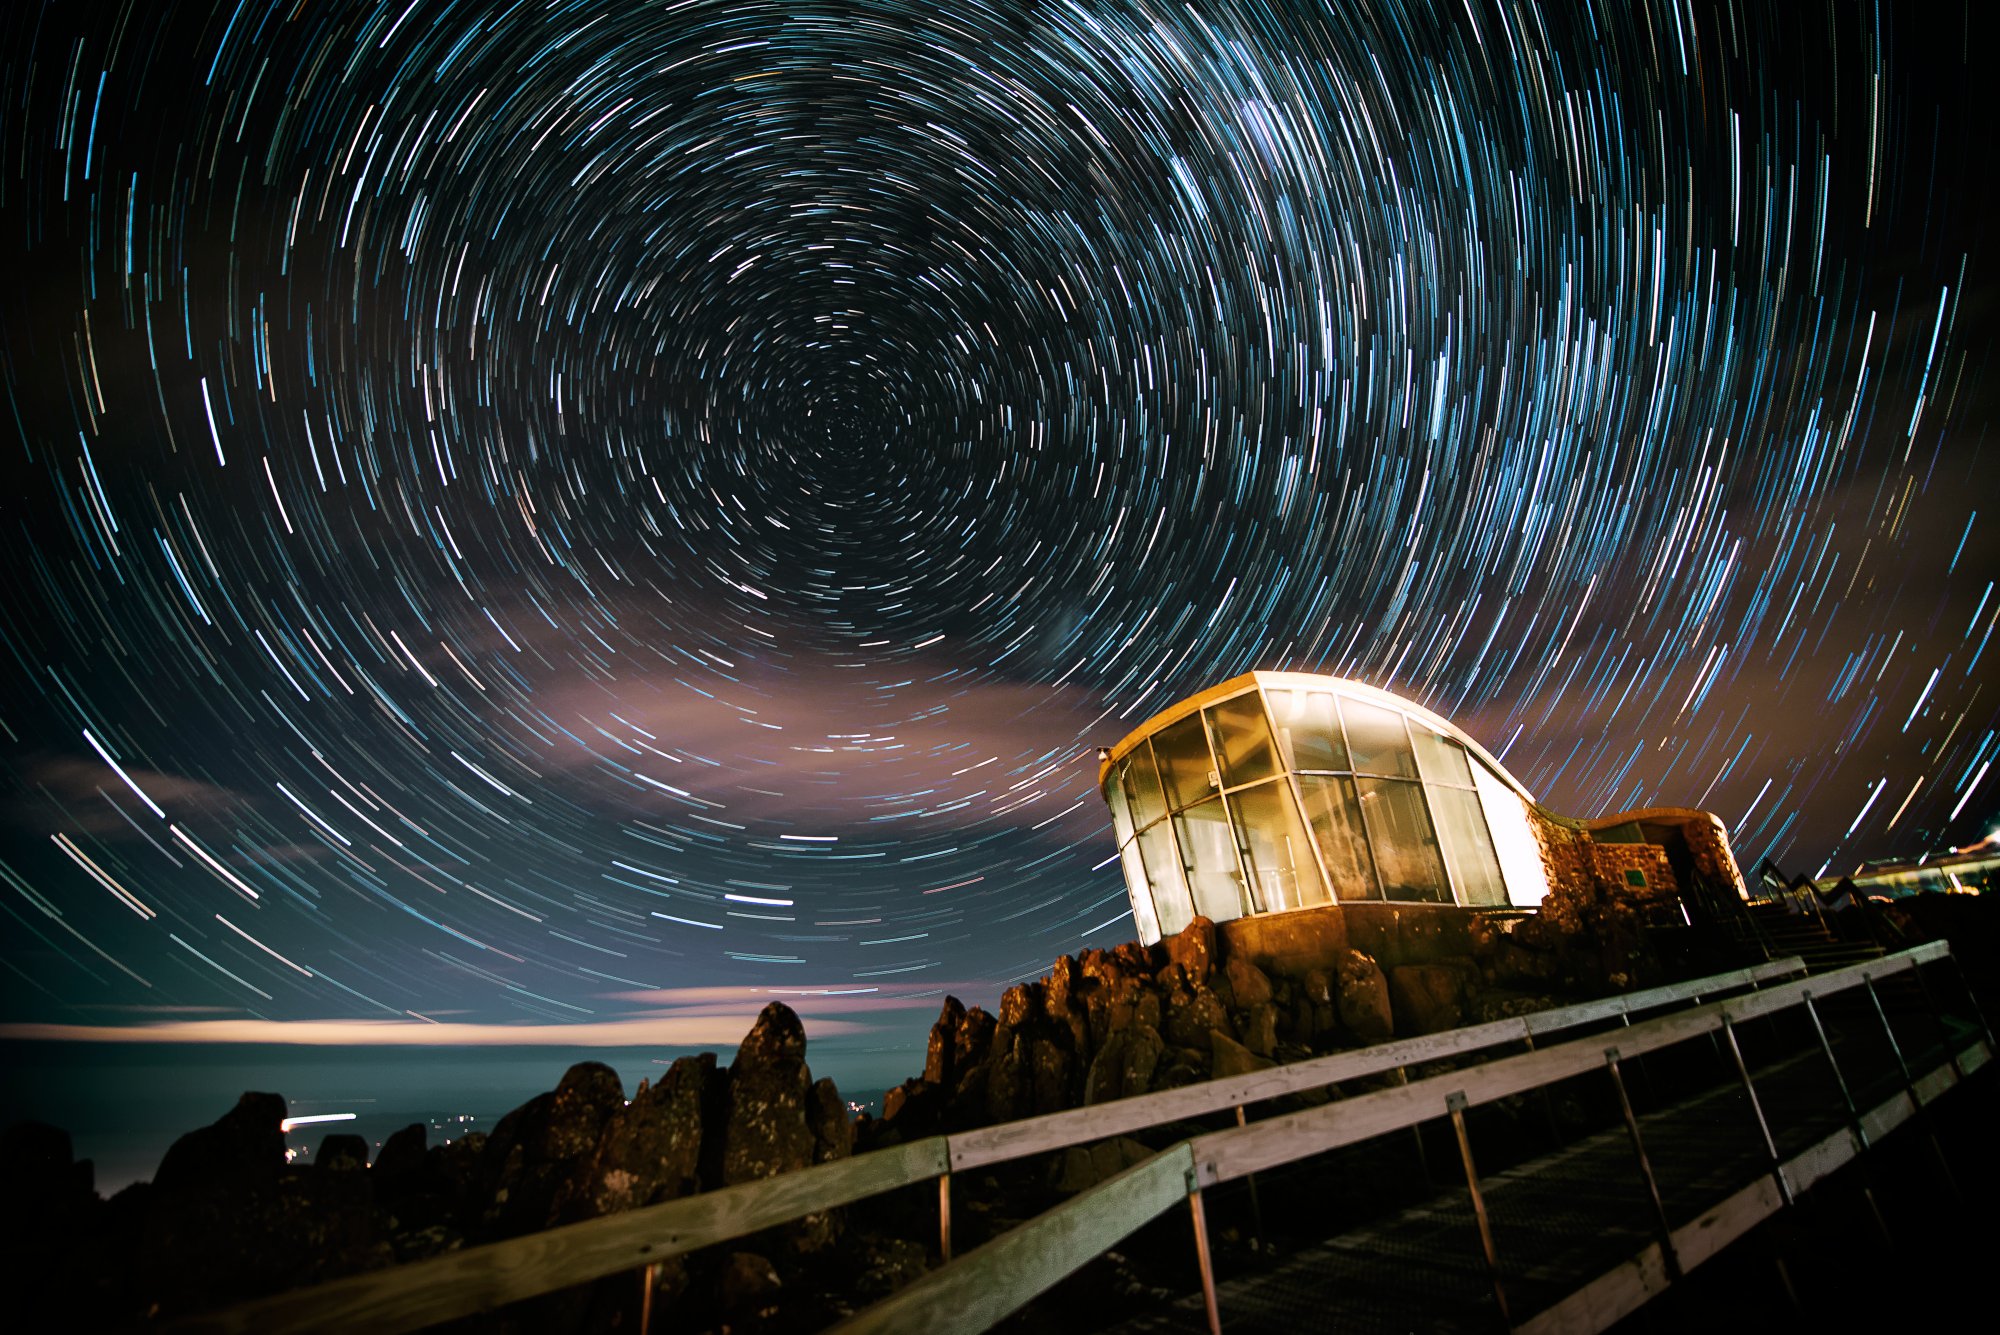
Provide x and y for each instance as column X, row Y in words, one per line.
column 521, row 508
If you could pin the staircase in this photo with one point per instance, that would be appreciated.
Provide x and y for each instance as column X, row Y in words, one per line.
column 1783, row 932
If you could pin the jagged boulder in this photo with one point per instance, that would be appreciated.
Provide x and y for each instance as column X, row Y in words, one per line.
column 214, row 1227
column 650, row 1150
column 765, row 1132
column 1193, row 948
column 1124, row 1066
column 533, row 1152
column 1427, row 998
column 1363, row 997
column 1232, row 1058
column 941, row 1051
column 1192, row 1013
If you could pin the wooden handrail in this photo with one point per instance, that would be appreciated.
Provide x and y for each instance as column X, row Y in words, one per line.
column 1097, row 1121
column 423, row 1293
column 477, row 1279
column 992, row 1281
column 1223, row 1155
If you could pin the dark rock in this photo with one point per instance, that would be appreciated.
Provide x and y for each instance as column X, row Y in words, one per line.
column 1258, row 1028
column 747, row 1289
column 941, row 1053
column 1051, row 1076
column 1124, row 1066
column 1193, row 948
column 832, row 1129
column 1192, row 1014
column 1248, row 984
column 975, row 1039
column 1081, row 1167
column 766, row 1131
column 399, row 1164
column 1232, row 1058
column 886, row 1264
column 537, row 1147
column 1363, row 998
column 1427, row 998
column 341, row 1153
column 243, row 1150
column 1019, row 1005
column 650, row 1150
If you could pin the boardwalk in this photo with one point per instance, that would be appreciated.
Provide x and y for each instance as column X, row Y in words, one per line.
column 1574, row 1215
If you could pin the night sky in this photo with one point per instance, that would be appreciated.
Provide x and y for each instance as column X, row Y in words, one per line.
column 565, row 520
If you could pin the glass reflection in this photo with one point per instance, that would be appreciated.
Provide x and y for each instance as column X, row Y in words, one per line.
column 1377, row 740
column 1185, row 767
column 1208, row 855
column 1343, row 842
column 1242, row 742
column 1406, row 850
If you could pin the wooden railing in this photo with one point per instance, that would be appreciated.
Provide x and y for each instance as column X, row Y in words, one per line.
column 477, row 1279
column 998, row 1279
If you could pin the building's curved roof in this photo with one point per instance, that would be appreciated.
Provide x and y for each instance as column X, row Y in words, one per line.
column 1306, row 681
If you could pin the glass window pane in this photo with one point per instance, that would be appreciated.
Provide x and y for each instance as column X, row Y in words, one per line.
column 1142, row 895
column 1513, row 839
column 1343, row 845
column 1142, row 785
column 1377, row 740
column 1441, row 759
column 1272, row 839
column 1163, row 875
column 1242, row 742
column 1406, row 850
column 1468, row 848
column 1185, row 766
column 1208, row 852
column 1308, row 730
column 1121, row 816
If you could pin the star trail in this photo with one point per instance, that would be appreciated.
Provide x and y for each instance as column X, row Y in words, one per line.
column 524, row 512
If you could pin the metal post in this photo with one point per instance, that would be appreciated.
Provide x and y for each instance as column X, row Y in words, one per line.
column 1456, row 1103
column 1548, row 1101
column 1978, row 1014
column 1757, row 1107
column 1937, row 1014
column 1202, row 1258
column 1417, row 1134
column 944, row 1217
column 648, row 1277
column 1666, row 1230
column 1256, row 1205
column 1853, row 1119
column 1917, row 1105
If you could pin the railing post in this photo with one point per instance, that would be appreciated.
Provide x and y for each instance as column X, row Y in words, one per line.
column 1978, row 1013
column 1757, row 1107
column 649, row 1278
column 1660, row 1222
column 1202, row 1257
column 1417, row 1133
column 1917, row 1105
column 1456, row 1104
column 1256, row 1205
column 1937, row 1014
column 944, row 1217
column 1853, row 1118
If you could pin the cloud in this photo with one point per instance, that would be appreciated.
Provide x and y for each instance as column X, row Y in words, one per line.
column 84, row 790
column 722, row 1029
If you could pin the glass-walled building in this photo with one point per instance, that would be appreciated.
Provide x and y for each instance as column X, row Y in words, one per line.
column 1283, row 790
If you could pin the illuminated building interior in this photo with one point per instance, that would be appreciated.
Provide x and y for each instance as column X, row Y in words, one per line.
column 1281, row 790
